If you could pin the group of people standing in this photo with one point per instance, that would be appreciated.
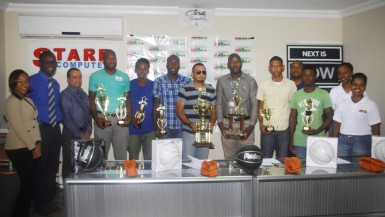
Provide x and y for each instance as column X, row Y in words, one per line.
column 36, row 108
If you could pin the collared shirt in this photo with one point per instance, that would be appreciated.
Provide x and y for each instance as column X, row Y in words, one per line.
column 136, row 94
column 338, row 94
column 39, row 95
column 167, row 90
column 76, row 111
column 247, row 90
column 115, row 86
column 277, row 96
column 188, row 94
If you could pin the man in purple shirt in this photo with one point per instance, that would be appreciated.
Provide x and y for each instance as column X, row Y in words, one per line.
column 77, row 119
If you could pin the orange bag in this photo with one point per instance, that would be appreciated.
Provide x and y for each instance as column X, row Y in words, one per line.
column 130, row 166
column 292, row 164
column 209, row 168
column 372, row 164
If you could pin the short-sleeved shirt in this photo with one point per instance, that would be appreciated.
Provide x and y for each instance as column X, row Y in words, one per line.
column 167, row 90
column 320, row 101
column 115, row 86
column 338, row 94
column 136, row 94
column 277, row 96
column 357, row 118
column 188, row 95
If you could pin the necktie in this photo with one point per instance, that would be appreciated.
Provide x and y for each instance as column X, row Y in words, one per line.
column 51, row 104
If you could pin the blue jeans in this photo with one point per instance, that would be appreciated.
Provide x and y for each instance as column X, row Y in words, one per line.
column 189, row 149
column 278, row 141
column 354, row 146
column 301, row 152
column 172, row 134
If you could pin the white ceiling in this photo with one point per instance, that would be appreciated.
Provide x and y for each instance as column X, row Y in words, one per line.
column 248, row 7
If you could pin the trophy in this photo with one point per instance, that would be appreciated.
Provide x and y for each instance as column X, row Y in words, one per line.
column 140, row 115
column 121, row 111
column 203, row 134
column 236, row 114
column 308, row 118
column 102, row 102
column 267, row 114
column 161, row 122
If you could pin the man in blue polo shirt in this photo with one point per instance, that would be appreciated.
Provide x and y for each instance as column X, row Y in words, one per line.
column 45, row 93
column 115, row 85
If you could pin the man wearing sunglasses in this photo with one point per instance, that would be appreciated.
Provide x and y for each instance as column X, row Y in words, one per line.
column 246, row 87
column 188, row 96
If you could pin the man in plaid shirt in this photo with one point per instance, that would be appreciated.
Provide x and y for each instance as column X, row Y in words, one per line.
column 165, row 91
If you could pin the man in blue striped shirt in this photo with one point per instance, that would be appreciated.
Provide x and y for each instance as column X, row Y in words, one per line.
column 165, row 91
column 188, row 96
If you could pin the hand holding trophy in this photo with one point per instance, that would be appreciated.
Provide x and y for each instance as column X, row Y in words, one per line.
column 203, row 134
column 267, row 113
column 140, row 114
column 308, row 118
column 121, row 111
column 102, row 102
column 161, row 122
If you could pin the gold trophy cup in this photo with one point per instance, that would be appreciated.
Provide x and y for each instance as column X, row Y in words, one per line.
column 140, row 114
column 267, row 114
column 121, row 111
column 203, row 109
column 236, row 114
column 161, row 122
column 102, row 102
column 308, row 118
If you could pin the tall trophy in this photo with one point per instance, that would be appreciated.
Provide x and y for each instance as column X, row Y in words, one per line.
column 236, row 114
column 203, row 134
column 140, row 115
column 102, row 102
column 308, row 118
column 121, row 111
column 162, row 121
column 267, row 113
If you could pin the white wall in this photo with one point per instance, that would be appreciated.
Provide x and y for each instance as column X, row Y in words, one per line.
column 271, row 34
column 3, row 77
column 364, row 39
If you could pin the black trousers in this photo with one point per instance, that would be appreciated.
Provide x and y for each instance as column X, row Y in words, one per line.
column 67, row 163
column 48, row 165
column 25, row 166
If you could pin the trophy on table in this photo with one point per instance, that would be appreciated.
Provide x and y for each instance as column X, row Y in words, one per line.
column 162, row 121
column 236, row 114
column 102, row 102
column 121, row 111
column 267, row 113
column 308, row 118
column 203, row 134
column 140, row 115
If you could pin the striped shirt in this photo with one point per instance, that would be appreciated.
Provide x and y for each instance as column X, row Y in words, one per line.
column 167, row 91
column 188, row 95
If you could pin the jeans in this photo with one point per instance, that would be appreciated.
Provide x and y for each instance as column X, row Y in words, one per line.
column 354, row 146
column 188, row 148
column 138, row 142
column 278, row 141
column 301, row 152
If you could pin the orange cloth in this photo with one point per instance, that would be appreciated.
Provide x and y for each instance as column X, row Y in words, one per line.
column 292, row 164
column 130, row 166
column 372, row 164
column 209, row 168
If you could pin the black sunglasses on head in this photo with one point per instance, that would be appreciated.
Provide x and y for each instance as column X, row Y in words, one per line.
column 199, row 72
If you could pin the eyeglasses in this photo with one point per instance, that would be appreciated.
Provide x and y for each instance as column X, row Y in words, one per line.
column 199, row 72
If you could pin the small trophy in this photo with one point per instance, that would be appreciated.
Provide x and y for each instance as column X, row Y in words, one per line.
column 308, row 118
column 267, row 114
column 140, row 115
column 161, row 122
column 121, row 111
column 203, row 109
column 236, row 114
column 102, row 102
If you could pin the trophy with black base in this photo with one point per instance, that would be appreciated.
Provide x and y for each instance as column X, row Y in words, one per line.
column 162, row 121
column 203, row 134
column 121, row 111
column 102, row 102
column 308, row 118
column 236, row 115
column 140, row 114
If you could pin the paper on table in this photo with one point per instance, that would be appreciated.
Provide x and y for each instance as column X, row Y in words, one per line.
column 269, row 161
column 342, row 161
column 195, row 163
